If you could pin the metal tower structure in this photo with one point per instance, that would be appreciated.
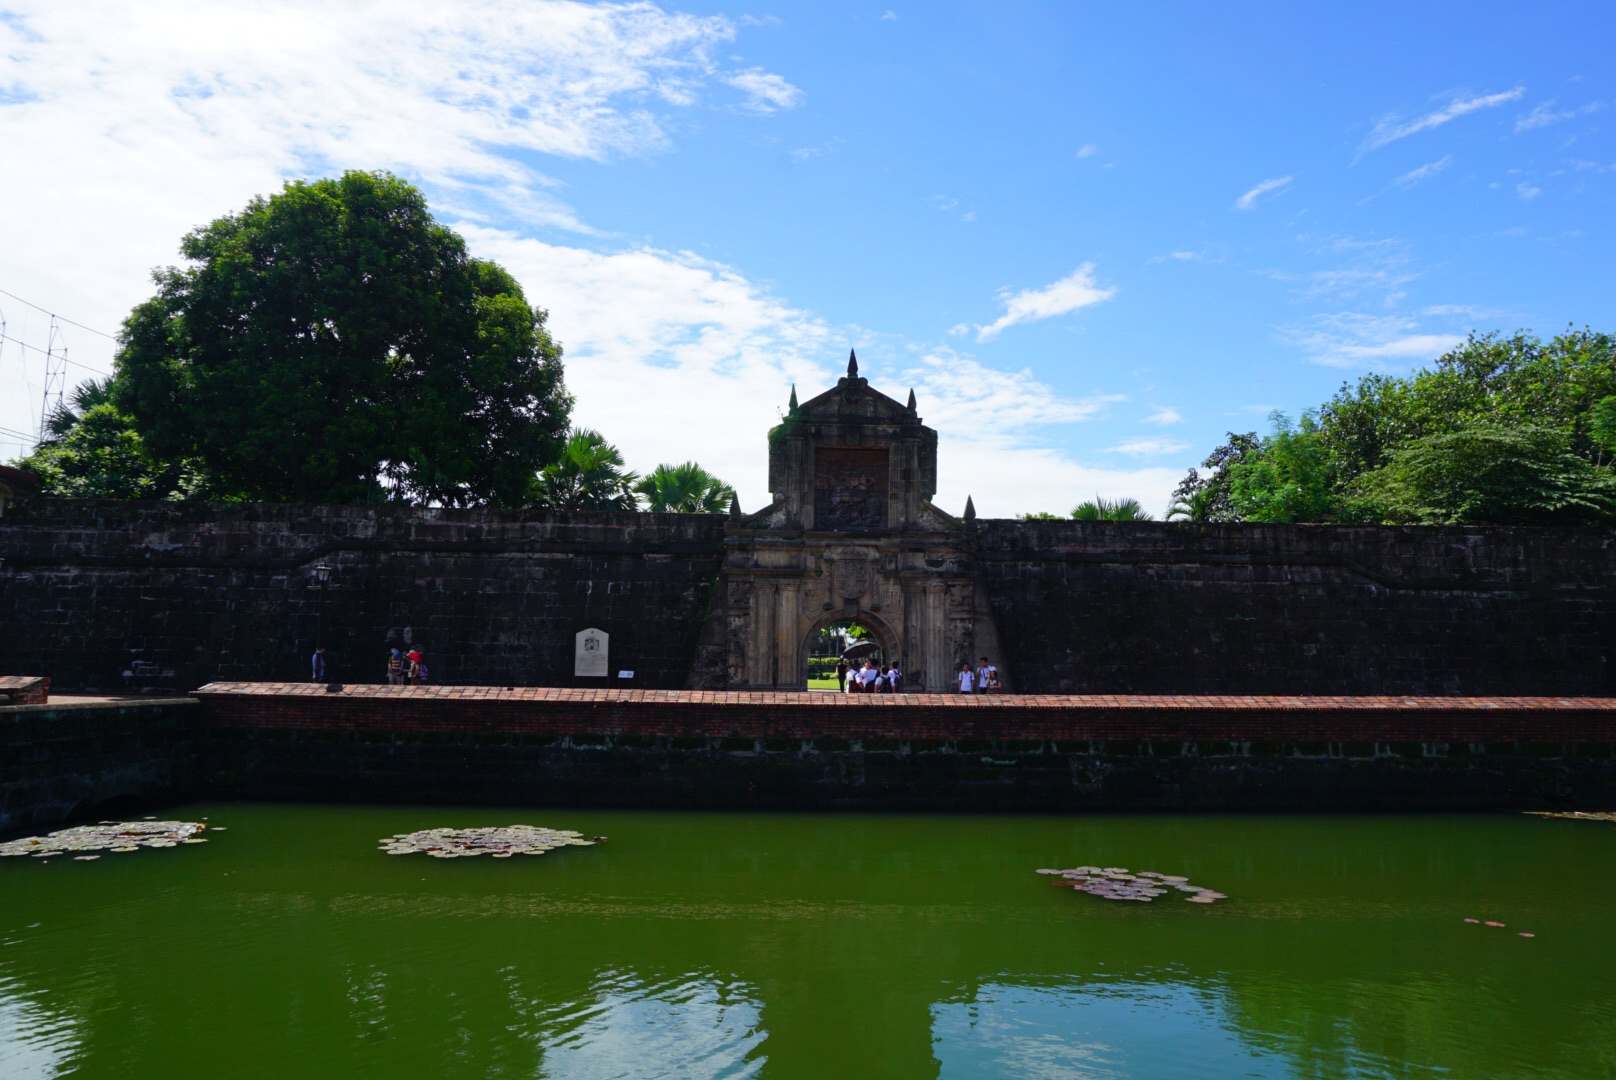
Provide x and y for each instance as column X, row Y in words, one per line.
column 55, row 376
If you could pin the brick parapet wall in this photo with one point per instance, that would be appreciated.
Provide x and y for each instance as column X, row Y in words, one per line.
column 24, row 690
column 1053, row 718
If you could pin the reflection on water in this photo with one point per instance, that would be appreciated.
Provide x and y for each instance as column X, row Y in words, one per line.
column 694, row 1027
column 34, row 1042
column 1092, row 1032
column 814, row 946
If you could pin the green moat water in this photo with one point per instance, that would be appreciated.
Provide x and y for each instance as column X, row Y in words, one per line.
column 817, row 946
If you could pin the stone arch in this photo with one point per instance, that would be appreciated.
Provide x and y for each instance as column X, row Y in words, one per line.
column 885, row 635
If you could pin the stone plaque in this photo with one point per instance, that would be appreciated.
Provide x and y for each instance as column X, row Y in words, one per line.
column 850, row 488
column 589, row 654
column 850, row 571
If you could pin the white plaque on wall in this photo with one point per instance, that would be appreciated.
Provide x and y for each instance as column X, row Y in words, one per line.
column 589, row 653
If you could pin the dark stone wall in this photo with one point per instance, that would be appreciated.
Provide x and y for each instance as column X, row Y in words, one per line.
column 70, row 761
column 1150, row 608
column 223, row 591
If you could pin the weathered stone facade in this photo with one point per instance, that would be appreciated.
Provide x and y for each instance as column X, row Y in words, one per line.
column 852, row 534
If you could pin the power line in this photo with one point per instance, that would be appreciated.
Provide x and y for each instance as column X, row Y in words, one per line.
column 45, row 352
column 58, row 318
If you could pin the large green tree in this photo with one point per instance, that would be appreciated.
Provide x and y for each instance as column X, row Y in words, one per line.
column 684, row 489
column 335, row 333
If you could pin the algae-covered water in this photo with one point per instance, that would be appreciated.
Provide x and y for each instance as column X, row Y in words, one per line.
column 817, row 946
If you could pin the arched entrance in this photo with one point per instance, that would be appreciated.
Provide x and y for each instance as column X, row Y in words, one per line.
column 817, row 653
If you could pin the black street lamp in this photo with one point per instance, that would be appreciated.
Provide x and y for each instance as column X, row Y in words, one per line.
column 322, row 574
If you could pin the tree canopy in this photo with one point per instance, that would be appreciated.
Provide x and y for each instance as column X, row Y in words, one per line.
column 335, row 333
column 1501, row 430
column 684, row 489
column 589, row 475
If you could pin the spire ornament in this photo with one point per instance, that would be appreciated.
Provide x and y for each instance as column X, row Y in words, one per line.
column 793, row 406
column 911, row 399
column 852, row 364
column 970, row 510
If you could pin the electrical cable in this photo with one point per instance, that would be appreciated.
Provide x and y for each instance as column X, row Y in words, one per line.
column 58, row 318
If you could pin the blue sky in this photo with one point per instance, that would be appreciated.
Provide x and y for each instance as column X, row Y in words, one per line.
column 1092, row 237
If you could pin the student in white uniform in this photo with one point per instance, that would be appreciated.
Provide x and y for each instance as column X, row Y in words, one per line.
column 967, row 678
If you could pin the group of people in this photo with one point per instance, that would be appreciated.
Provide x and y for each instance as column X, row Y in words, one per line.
column 406, row 669
column 982, row 679
column 866, row 678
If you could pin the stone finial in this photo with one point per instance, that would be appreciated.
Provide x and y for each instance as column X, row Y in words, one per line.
column 970, row 510
column 852, row 364
column 793, row 407
column 911, row 399
column 735, row 498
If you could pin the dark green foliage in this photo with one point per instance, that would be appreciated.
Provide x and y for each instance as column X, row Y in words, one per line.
column 1040, row 515
column 589, row 475
column 1500, row 430
column 1207, row 497
column 92, row 451
column 1490, row 475
column 334, row 333
column 684, row 489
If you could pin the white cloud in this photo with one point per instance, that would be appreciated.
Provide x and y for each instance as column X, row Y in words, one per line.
column 1424, row 172
column 1393, row 127
column 1087, row 150
column 1544, row 115
column 1184, row 256
column 1349, row 340
column 1248, row 201
column 1149, row 446
column 765, row 92
column 660, row 345
column 889, row 16
column 1527, row 192
column 149, row 119
column 1163, row 416
column 144, row 120
column 1076, row 290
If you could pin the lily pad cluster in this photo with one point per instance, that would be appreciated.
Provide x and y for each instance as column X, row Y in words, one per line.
column 1119, row 883
column 107, row 836
column 501, row 842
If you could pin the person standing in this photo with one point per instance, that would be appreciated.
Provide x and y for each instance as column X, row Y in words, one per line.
column 317, row 664
column 967, row 678
column 895, row 676
column 395, row 668
column 417, row 672
column 987, row 677
column 867, row 677
column 841, row 674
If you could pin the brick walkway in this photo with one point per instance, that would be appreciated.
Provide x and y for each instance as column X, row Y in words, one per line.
column 774, row 714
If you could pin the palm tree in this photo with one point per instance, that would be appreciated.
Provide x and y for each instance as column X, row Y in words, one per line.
column 1195, row 506
column 588, row 476
column 685, row 489
column 1100, row 509
column 86, row 396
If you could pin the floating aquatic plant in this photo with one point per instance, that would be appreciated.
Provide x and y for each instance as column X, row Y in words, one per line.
column 1577, row 815
column 500, row 842
column 107, row 836
column 1118, row 883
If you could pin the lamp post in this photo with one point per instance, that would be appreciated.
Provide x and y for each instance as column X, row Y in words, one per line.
column 322, row 574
